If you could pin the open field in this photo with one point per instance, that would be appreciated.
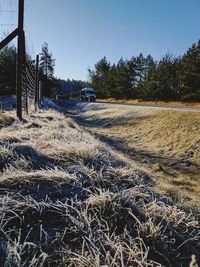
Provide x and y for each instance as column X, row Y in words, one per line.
column 159, row 103
column 69, row 199
column 166, row 143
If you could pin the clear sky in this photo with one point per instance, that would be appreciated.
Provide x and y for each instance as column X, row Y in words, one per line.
column 80, row 32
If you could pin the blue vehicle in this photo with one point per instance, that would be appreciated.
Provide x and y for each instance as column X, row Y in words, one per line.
column 88, row 94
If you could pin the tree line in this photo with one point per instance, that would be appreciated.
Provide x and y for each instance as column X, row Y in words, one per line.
column 7, row 70
column 8, row 57
column 51, row 85
column 171, row 78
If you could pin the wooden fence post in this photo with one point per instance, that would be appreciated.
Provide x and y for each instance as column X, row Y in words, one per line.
column 20, row 58
column 36, row 82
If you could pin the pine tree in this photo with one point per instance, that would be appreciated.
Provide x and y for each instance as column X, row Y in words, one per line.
column 47, row 62
column 100, row 78
column 46, row 66
column 189, row 74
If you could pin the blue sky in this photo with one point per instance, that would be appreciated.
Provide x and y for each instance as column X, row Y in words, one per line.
column 80, row 32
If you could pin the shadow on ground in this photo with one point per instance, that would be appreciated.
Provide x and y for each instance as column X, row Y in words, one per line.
column 166, row 164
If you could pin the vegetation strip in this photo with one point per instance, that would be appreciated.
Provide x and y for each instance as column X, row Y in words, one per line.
column 84, row 205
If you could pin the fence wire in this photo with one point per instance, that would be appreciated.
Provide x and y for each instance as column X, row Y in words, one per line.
column 26, row 96
column 28, row 89
column 28, row 86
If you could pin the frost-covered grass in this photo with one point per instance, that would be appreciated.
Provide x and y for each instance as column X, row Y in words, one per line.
column 69, row 200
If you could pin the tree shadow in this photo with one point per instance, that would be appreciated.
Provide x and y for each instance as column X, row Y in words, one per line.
column 43, row 189
column 35, row 160
column 164, row 162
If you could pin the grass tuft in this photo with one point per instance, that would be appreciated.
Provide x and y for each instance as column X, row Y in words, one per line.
column 69, row 200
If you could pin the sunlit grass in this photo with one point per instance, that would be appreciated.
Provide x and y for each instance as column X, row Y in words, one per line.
column 165, row 142
column 67, row 199
column 161, row 103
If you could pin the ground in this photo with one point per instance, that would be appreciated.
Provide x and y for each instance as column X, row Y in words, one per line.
column 69, row 197
column 163, row 142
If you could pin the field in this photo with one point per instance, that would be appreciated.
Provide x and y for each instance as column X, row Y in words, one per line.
column 164, row 142
column 71, row 197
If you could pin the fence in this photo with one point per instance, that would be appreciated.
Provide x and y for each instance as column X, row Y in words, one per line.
column 7, row 102
column 28, row 91
column 30, row 86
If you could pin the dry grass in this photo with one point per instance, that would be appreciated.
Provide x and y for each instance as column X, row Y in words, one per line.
column 160, row 103
column 166, row 143
column 69, row 200
column 6, row 119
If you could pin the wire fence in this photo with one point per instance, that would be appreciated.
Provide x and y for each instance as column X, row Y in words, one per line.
column 29, row 86
column 7, row 102
column 29, row 90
